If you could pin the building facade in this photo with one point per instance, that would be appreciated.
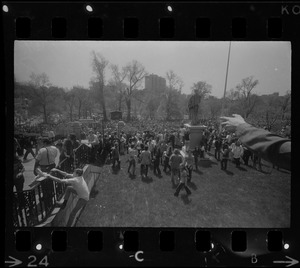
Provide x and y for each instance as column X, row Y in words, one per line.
column 154, row 82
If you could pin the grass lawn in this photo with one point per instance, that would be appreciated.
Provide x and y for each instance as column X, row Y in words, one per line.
column 237, row 198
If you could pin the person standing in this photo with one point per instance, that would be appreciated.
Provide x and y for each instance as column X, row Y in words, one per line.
column 182, row 181
column 247, row 154
column 218, row 145
column 122, row 145
column 237, row 151
column 16, row 146
column 163, row 148
column 145, row 161
column 45, row 158
column 167, row 154
column 156, row 155
column 18, row 174
column 196, row 153
column 51, row 135
column 175, row 161
column 28, row 148
column 172, row 140
column 132, row 159
column 139, row 146
column 75, row 142
column 225, row 156
column 94, row 142
column 116, row 156
column 39, row 144
column 257, row 161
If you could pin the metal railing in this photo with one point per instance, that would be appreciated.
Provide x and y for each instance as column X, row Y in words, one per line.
column 32, row 207
column 82, row 156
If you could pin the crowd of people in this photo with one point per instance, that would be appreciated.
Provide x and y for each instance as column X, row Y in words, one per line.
column 145, row 147
column 152, row 144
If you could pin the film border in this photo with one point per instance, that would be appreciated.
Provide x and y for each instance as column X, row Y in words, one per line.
column 184, row 17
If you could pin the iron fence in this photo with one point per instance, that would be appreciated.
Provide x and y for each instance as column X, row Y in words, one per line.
column 34, row 206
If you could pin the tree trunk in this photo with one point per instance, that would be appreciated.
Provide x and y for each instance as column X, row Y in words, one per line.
column 128, row 104
column 45, row 114
column 79, row 110
column 103, row 102
column 71, row 113
column 120, row 103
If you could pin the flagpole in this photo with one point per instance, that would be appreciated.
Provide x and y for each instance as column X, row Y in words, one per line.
column 223, row 100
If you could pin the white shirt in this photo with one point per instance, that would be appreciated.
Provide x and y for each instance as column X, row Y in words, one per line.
column 237, row 151
column 43, row 158
column 132, row 153
column 138, row 144
column 80, row 186
column 92, row 138
column 51, row 134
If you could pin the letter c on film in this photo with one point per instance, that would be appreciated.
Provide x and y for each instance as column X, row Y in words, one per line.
column 137, row 256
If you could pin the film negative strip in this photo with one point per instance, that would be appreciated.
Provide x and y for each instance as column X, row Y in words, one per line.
column 235, row 217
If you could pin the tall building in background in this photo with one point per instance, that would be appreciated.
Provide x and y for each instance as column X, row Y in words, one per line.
column 155, row 83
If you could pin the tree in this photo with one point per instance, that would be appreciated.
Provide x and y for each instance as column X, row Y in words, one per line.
column 134, row 73
column 151, row 108
column 285, row 104
column 117, row 83
column 42, row 94
column 81, row 95
column 170, row 99
column 99, row 64
column 70, row 100
column 215, row 106
column 202, row 88
column 245, row 96
column 174, row 82
column 172, row 105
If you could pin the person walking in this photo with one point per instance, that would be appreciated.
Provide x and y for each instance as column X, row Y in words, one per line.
column 145, row 161
column 189, row 160
column 175, row 161
column 182, row 181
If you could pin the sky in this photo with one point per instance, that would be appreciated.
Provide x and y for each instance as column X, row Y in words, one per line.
column 68, row 63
